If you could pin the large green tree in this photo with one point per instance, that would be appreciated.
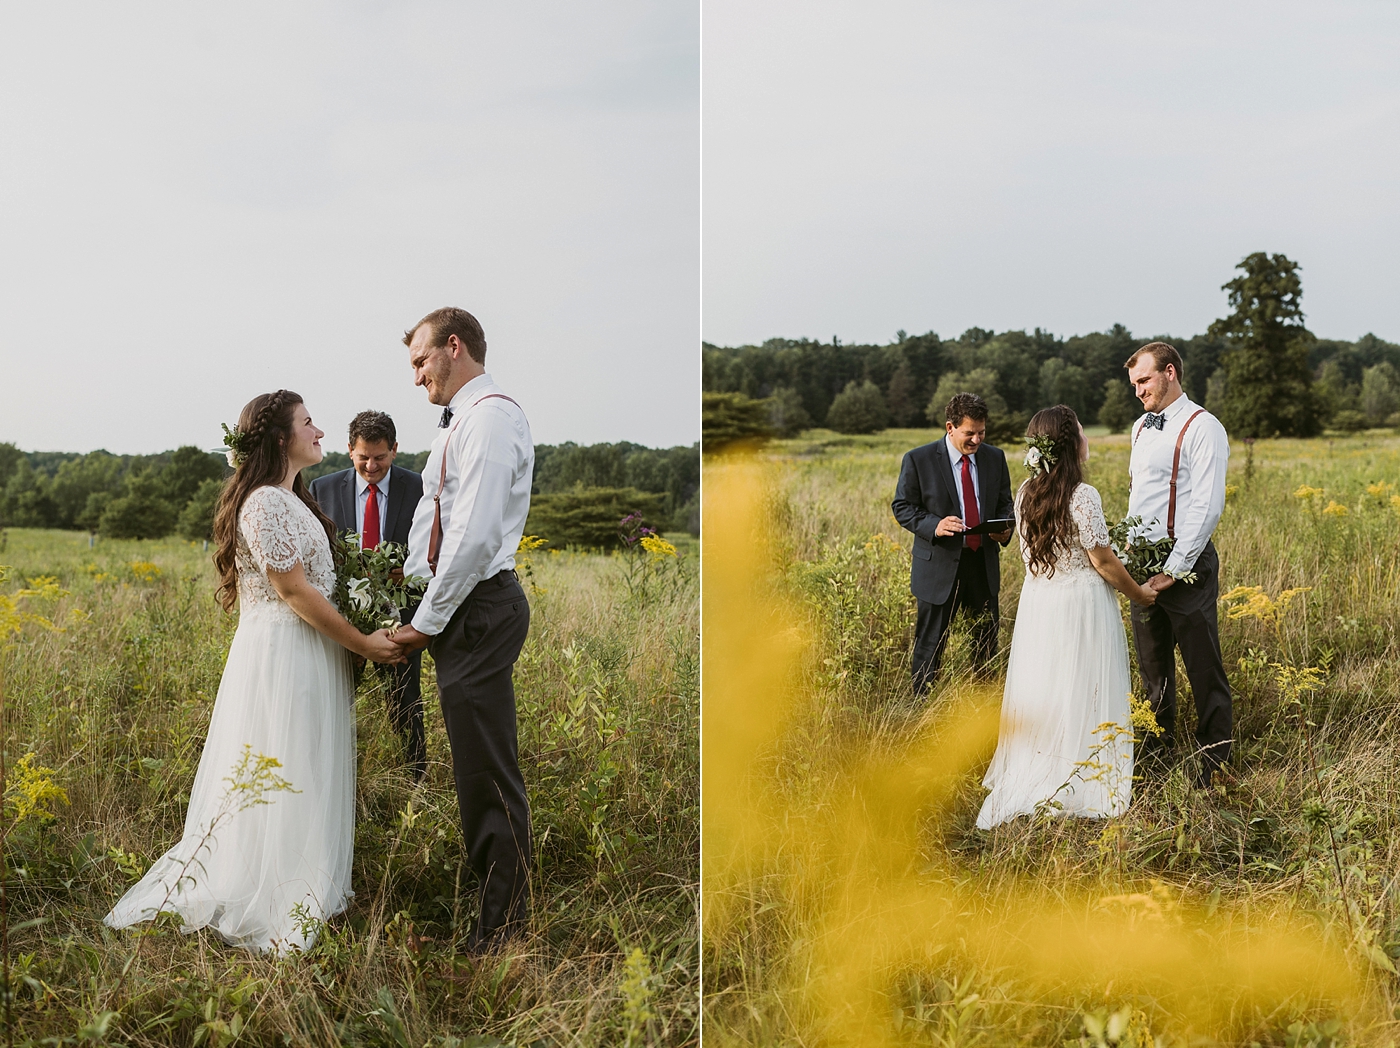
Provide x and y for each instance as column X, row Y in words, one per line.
column 1268, row 383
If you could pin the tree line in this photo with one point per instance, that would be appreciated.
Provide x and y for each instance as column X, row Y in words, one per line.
column 151, row 496
column 1259, row 369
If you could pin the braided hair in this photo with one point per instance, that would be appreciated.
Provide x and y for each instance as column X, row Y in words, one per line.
column 1046, row 523
column 264, row 428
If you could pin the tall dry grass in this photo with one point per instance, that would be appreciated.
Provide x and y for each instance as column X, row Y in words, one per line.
column 116, row 705
column 848, row 897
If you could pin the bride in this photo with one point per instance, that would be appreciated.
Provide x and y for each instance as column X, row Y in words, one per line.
column 265, row 855
column 1065, row 743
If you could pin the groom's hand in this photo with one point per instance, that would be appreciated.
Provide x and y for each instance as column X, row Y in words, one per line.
column 1160, row 582
column 949, row 526
column 1001, row 536
column 409, row 639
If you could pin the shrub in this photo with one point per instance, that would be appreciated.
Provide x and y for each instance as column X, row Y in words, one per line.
column 729, row 418
column 1119, row 410
column 139, row 514
column 786, row 414
column 1349, row 421
column 587, row 518
column 197, row 518
column 858, row 409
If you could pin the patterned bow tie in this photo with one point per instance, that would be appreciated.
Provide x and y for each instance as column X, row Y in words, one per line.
column 446, row 419
column 1154, row 421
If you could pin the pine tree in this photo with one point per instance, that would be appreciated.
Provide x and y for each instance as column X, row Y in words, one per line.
column 1268, row 384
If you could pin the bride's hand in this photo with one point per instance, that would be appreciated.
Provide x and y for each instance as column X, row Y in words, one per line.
column 1146, row 596
column 377, row 647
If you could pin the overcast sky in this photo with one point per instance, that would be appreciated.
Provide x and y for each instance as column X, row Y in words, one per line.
column 934, row 166
column 202, row 202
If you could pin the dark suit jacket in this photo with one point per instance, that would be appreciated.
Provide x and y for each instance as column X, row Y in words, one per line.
column 925, row 495
column 336, row 494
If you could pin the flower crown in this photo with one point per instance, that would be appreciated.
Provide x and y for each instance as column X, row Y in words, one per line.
column 236, row 441
column 1040, row 455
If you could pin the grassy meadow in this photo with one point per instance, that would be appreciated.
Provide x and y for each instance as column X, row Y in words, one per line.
column 848, row 897
column 104, row 722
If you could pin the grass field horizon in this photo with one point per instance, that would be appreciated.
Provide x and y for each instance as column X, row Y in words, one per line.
column 850, row 900
column 112, row 708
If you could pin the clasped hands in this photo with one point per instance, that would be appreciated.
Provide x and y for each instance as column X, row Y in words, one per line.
column 392, row 647
column 950, row 526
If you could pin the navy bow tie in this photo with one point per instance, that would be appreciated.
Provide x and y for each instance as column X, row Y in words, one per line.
column 1148, row 420
column 446, row 419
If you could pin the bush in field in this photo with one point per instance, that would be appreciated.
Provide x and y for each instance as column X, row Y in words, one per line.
column 858, row 409
column 586, row 518
column 730, row 418
column 1349, row 421
column 27, row 501
column 197, row 518
column 138, row 514
column 1119, row 409
column 786, row 415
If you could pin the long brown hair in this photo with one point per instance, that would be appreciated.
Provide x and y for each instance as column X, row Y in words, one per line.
column 1046, row 523
column 265, row 427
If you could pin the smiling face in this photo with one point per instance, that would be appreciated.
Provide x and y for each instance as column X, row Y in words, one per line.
column 1156, row 389
column 441, row 370
column 304, row 446
column 372, row 460
column 967, row 435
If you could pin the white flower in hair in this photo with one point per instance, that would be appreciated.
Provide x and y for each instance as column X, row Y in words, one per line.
column 232, row 457
column 1040, row 455
column 1032, row 457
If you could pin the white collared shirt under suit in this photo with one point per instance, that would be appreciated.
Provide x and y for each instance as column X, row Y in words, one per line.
column 478, row 617
column 1184, row 616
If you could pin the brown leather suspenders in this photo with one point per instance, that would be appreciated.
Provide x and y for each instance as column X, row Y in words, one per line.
column 435, row 539
column 1176, row 467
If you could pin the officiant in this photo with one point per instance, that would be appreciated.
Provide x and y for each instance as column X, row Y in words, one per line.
column 945, row 489
column 376, row 499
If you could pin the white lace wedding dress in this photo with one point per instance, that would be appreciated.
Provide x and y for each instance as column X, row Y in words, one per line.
column 1065, row 744
column 263, row 875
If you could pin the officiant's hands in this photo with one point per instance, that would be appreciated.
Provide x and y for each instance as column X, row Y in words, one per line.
column 949, row 526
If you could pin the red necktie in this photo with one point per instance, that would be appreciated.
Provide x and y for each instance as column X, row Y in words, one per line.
column 971, row 519
column 369, row 535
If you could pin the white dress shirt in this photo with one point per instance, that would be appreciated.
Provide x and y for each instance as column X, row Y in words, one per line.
column 490, row 465
column 955, row 460
column 1200, row 482
column 362, row 500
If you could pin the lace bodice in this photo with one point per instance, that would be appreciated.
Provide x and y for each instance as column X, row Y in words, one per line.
column 1090, row 532
column 276, row 530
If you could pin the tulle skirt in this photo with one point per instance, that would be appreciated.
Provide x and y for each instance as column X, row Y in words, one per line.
column 260, row 865
column 1065, row 740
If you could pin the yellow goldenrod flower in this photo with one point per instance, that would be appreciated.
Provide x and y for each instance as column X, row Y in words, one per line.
column 1379, row 489
column 1336, row 509
column 658, row 546
column 1306, row 492
column 1230, row 489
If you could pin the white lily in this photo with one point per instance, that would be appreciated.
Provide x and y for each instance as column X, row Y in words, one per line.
column 359, row 593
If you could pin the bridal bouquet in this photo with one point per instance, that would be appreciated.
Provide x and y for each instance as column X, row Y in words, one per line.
column 1143, row 559
column 366, row 591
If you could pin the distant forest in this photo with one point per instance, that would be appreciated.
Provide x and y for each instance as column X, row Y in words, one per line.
column 147, row 496
column 911, row 378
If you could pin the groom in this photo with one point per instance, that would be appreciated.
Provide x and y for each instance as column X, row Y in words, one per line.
column 945, row 488
column 376, row 499
column 474, row 617
column 1177, row 486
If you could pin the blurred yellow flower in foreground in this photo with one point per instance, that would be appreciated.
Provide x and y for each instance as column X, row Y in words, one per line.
column 1336, row 509
column 842, row 895
column 1306, row 492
